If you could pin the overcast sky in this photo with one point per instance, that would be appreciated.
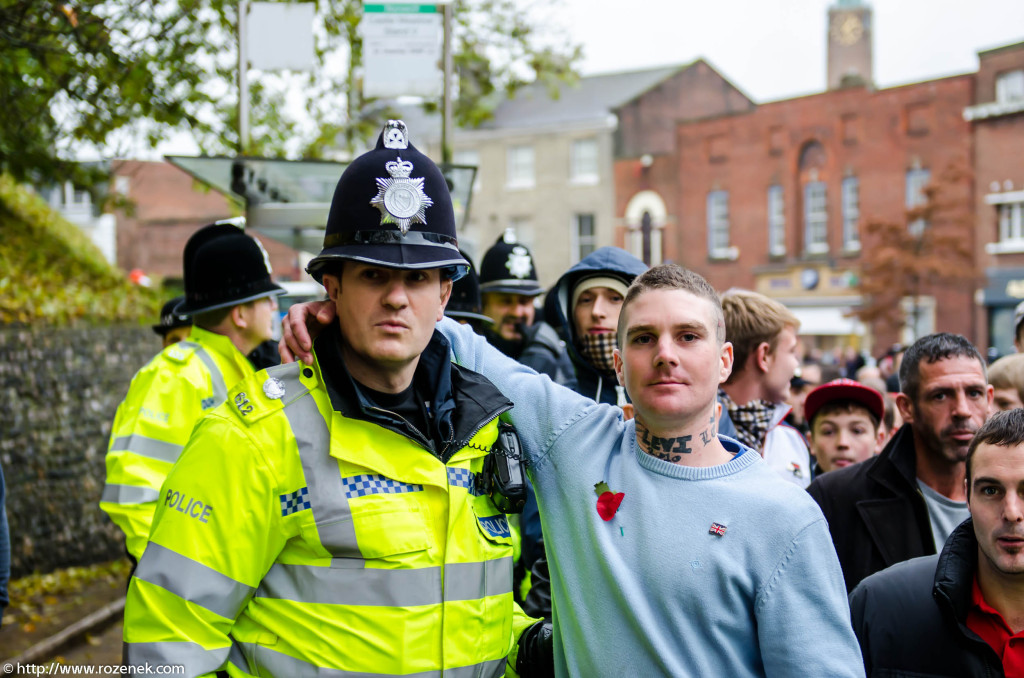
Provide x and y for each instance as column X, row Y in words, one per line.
column 770, row 49
column 775, row 49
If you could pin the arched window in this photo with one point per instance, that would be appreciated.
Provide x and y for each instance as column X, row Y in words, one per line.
column 812, row 166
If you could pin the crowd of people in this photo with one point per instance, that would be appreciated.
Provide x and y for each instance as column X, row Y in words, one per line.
column 697, row 499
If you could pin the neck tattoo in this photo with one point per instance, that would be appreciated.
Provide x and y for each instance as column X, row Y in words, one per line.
column 709, row 434
column 669, row 449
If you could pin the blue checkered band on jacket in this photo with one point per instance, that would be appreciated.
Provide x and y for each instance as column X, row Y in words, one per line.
column 295, row 502
column 463, row 477
column 360, row 486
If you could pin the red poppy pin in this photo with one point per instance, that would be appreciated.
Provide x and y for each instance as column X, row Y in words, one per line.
column 607, row 501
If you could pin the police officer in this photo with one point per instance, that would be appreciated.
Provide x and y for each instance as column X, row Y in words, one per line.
column 330, row 519
column 509, row 287
column 231, row 297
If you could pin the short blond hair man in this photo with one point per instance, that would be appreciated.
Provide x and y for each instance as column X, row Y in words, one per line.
column 1006, row 376
column 763, row 334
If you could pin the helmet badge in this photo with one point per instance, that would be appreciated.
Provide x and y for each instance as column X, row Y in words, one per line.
column 518, row 263
column 400, row 199
column 396, row 135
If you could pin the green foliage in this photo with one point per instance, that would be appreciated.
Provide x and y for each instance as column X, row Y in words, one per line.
column 91, row 73
column 51, row 272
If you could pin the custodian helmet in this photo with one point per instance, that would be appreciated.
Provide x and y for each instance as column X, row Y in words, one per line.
column 224, row 267
column 508, row 268
column 392, row 208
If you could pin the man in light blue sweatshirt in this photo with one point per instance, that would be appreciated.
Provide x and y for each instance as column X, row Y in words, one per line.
column 673, row 550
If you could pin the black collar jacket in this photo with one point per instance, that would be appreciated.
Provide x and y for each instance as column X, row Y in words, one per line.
column 875, row 510
column 462, row 401
column 911, row 620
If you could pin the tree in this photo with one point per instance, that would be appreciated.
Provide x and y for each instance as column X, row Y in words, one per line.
column 88, row 75
column 930, row 250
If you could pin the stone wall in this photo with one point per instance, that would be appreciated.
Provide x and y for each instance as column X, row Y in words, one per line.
column 59, row 389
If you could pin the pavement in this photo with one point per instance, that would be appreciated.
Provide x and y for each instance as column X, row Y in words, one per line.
column 71, row 616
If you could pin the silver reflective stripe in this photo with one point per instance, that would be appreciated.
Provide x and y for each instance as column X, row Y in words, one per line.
column 220, row 392
column 147, row 447
column 391, row 588
column 128, row 494
column 323, row 477
column 491, row 669
column 237, row 657
column 193, row 657
column 192, row 581
column 272, row 663
column 470, row 581
column 350, row 586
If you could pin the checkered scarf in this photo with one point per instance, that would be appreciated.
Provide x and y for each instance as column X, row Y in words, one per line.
column 597, row 349
column 752, row 420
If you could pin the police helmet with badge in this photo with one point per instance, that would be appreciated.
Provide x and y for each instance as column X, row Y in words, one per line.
column 392, row 208
column 224, row 267
column 169, row 320
column 507, row 268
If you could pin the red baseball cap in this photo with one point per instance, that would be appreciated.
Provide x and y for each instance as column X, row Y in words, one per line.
column 844, row 389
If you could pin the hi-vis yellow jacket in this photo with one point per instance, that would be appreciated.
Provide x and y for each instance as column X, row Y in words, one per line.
column 294, row 538
column 165, row 400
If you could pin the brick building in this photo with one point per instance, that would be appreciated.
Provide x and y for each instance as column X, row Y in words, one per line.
column 168, row 206
column 775, row 198
column 997, row 125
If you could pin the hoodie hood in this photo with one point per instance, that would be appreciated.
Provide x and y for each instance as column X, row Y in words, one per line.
column 606, row 261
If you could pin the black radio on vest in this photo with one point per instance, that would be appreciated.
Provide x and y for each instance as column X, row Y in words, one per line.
column 503, row 476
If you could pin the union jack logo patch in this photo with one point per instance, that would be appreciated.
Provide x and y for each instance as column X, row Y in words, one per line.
column 717, row 529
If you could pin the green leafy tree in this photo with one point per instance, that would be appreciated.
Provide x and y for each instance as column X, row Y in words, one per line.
column 95, row 75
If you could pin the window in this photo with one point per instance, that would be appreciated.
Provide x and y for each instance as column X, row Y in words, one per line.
column 1011, row 223
column 584, row 235
column 71, row 200
column 1010, row 86
column 815, row 218
column 776, row 222
column 471, row 158
column 917, row 179
column 851, row 213
column 583, row 167
column 520, row 167
column 718, row 224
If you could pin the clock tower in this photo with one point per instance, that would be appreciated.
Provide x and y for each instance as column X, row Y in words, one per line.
column 849, row 44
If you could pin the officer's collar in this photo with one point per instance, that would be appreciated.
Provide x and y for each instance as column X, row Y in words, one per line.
column 432, row 378
column 219, row 343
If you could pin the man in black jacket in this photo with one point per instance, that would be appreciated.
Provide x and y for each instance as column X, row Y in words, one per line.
column 905, row 502
column 956, row 614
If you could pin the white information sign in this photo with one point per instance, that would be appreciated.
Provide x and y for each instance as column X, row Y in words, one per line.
column 402, row 46
column 280, row 36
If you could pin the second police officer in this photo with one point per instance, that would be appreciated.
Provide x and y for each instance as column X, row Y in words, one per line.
column 330, row 518
column 230, row 294
column 508, row 287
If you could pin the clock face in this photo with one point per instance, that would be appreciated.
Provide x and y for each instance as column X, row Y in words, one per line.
column 809, row 278
column 846, row 29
